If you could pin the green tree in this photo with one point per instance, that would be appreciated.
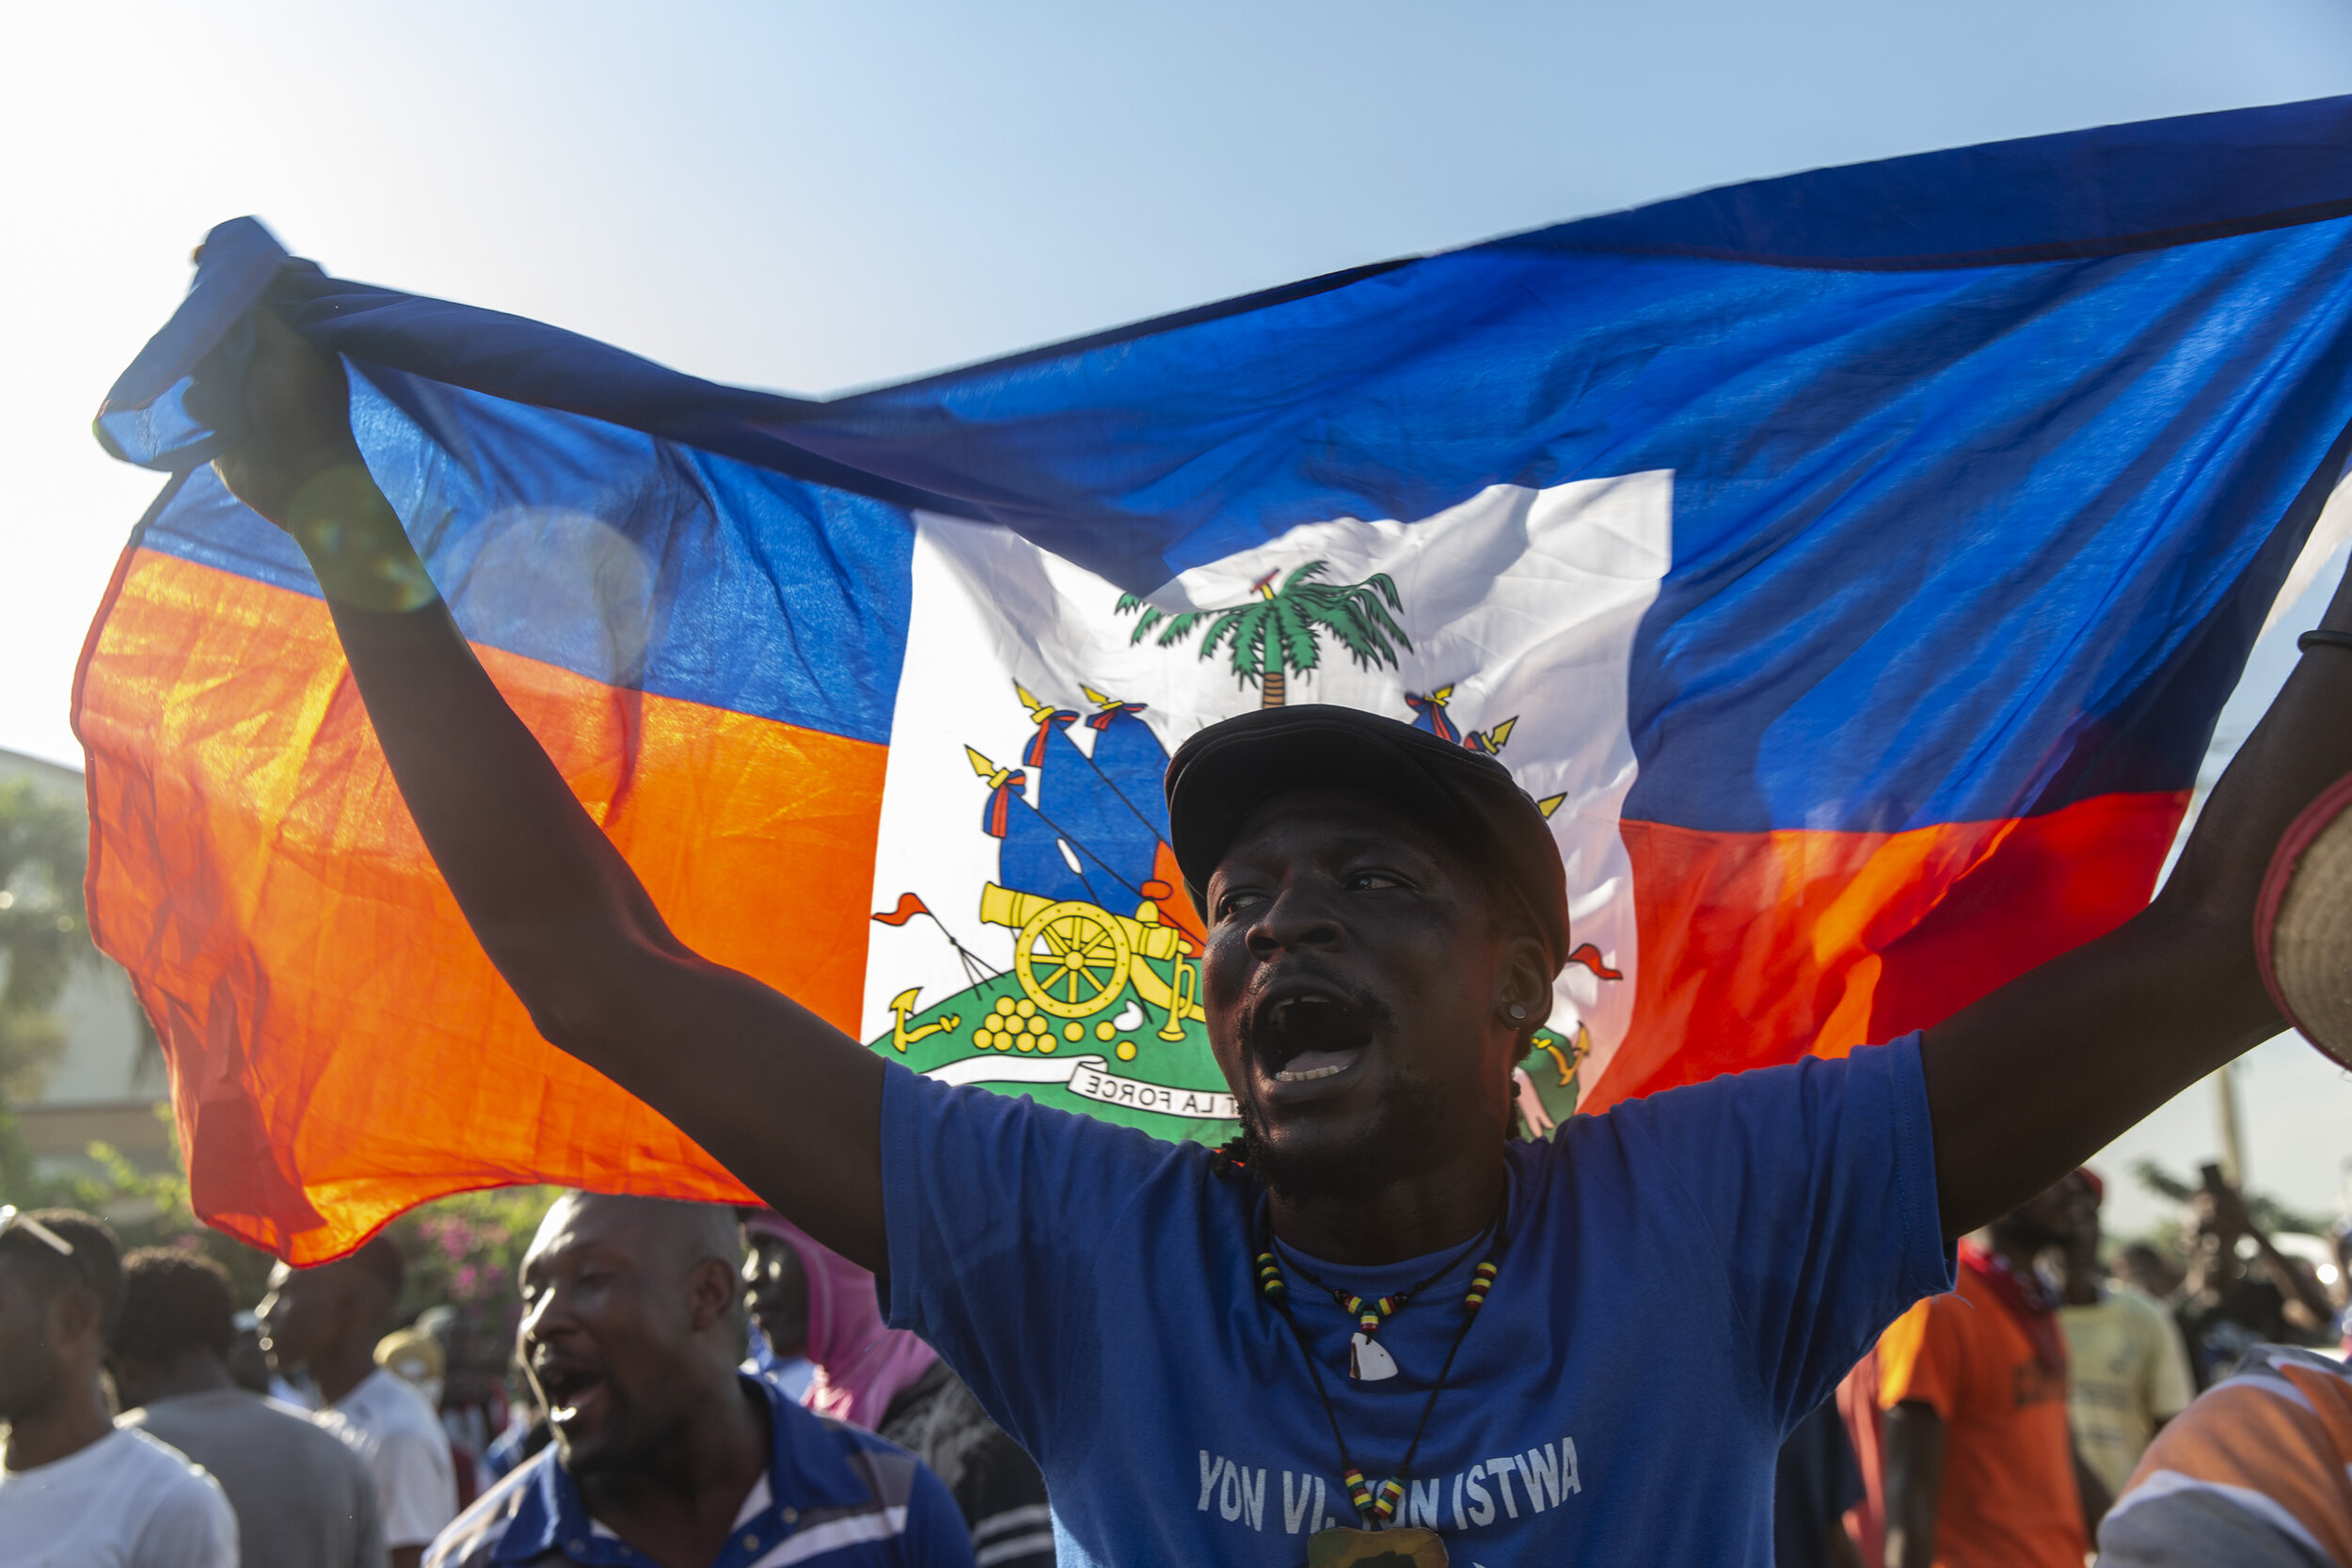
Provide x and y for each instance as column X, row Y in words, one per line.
column 43, row 939
column 1278, row 632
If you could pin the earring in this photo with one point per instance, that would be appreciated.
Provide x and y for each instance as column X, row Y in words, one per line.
column 1519, row 1014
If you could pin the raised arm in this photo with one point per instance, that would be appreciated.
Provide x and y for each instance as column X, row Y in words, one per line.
column 2307, row 1305
column 2031, row 1079
column 781, row 1098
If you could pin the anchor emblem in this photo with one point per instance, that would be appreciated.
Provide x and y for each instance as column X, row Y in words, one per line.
column 901, row 1008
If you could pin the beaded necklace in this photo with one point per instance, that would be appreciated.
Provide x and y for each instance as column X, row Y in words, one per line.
column 1380, row 1503
column 1367, row 1361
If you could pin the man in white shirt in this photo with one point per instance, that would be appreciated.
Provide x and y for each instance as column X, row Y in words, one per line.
column 325, row 1321
column 75, row 1490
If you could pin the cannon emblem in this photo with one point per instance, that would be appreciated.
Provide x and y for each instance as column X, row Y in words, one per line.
column 1074, row 959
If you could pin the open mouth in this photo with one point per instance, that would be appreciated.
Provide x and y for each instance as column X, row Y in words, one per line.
column 1306, row 1035
column 568, row 1389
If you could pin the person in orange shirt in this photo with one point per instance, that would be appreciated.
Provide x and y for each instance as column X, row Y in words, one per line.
column 1980, row 1466
column 2256, row 1474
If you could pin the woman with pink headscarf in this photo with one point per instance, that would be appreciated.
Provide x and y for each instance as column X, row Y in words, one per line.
column 887, row 1381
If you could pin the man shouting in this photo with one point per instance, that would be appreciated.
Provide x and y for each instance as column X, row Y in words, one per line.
column 1385, row 1317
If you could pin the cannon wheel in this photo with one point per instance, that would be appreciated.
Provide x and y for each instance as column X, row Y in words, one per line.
column 1072, row 960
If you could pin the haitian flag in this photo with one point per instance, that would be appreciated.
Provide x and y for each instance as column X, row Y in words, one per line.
column 1852, row 564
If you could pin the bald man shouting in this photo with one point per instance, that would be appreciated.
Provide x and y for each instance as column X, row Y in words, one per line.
column 664, row 1452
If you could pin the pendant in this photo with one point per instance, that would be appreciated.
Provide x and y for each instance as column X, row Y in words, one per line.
column 1368, row 1361
column 1342, row 1547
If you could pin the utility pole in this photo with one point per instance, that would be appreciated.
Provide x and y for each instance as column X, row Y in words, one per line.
column 2225, row 1110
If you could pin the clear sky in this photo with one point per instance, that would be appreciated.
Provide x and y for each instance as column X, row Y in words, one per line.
column 812, row 197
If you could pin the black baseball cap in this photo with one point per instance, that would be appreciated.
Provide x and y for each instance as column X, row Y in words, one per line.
column 1466, row 798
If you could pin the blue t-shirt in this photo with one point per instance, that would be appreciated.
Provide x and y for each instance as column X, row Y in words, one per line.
column 1687, row 1277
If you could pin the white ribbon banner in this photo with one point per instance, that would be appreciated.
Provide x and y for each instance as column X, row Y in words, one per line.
column 1091, row 1077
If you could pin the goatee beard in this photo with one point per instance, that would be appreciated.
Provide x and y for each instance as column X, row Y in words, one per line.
column 1405, row 1140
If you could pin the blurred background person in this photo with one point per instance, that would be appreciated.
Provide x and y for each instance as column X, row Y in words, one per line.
column 2340, row 1287
column 1814, row 1484
column 1979, row 1470
column 2148, row 1272
column 2240, row 1291
column 890, row 1381
column 664, row 1449
column 526, row 1431
column 414, row 1357
column 417, row 1356
column 326, row 1321
column 303, row 1497
column 2127, row 1370
column 775, row 1290
column 476, row 1348
column 77, row 1491
column 248, row 1363
column 2257, row 1473
column 1858, row 1411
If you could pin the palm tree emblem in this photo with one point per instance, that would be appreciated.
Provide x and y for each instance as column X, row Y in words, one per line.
column 1279, row 631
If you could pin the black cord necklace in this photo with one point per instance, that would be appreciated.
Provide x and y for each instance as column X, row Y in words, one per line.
column 1380, row 1503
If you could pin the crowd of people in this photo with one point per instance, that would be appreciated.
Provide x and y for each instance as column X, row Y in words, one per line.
column 705, row 1376
column 688, row 1376
column 2013, row 1422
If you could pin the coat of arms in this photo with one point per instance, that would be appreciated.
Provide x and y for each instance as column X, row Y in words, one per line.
column 1099, row 1000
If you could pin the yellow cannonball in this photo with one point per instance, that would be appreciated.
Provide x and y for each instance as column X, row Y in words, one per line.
column 1026, row 1008
column 1126, row 1050
column 1073, row 1031
column 1103, row 1031
column 1047, row 1046
column 983, row 1040
column 1004, row 1007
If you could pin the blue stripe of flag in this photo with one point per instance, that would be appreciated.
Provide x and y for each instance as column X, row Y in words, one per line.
column 1986, row 463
